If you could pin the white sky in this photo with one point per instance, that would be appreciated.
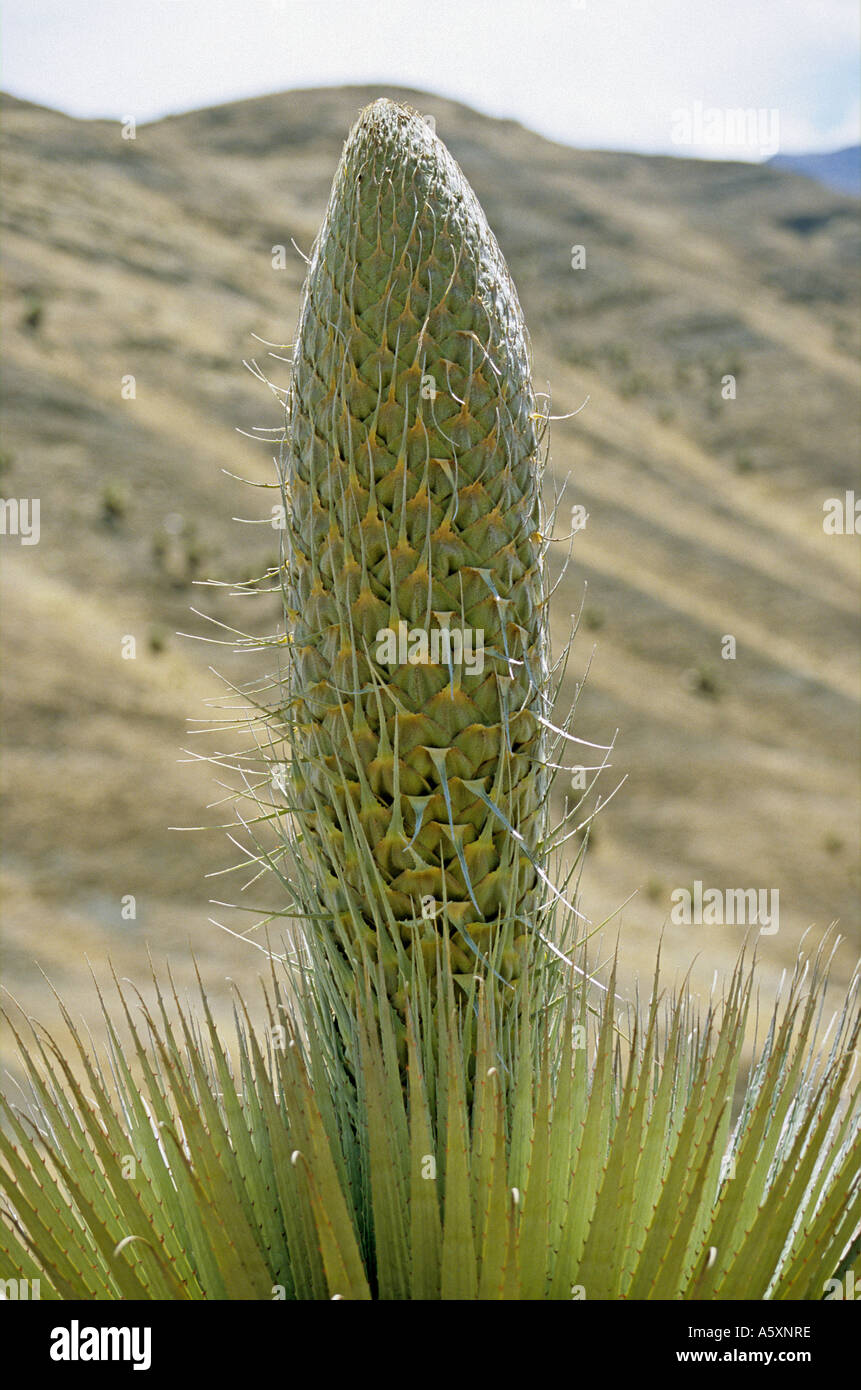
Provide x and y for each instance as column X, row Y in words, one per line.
column 595, row 73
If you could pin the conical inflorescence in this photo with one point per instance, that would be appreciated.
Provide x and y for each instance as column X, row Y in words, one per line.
column 413, row 574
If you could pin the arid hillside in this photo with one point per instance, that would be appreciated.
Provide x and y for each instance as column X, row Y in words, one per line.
column 708, row 311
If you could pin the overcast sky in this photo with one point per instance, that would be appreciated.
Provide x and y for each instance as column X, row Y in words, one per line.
column 649, row 75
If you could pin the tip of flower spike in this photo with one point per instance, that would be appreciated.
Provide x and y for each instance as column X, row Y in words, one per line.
column 387, row 135
column 385, row 116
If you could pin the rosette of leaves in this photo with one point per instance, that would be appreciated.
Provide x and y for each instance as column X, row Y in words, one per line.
column 609, row 1161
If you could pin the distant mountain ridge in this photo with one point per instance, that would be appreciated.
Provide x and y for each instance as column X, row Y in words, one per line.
column 836, row 169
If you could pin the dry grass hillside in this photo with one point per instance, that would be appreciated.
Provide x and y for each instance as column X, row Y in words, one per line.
column 152, row 258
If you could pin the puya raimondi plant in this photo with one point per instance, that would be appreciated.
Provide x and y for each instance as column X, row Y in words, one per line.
column 438, row 1105
column 418, row 692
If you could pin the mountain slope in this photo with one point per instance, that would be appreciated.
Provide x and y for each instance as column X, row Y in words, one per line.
column 152, row 258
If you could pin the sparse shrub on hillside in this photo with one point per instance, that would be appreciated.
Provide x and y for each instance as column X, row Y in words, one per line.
column 33, row 314
column 115, row 503
column 702, row 680
column 177, row 551
column 635, row 384
column 618, row 355
column 157, row 639
column 593, row 619
column 195, row 551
